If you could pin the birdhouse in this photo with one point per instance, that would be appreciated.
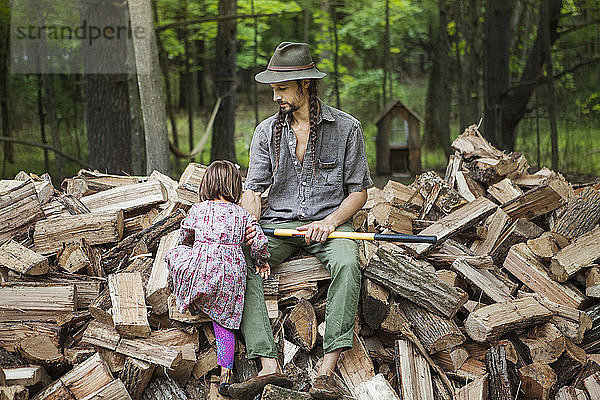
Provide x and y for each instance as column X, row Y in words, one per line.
column 398, row 140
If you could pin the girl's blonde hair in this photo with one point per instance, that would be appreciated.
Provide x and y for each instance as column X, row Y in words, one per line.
column 221, row 179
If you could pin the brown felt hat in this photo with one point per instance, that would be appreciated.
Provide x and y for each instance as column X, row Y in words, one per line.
column 290, row 61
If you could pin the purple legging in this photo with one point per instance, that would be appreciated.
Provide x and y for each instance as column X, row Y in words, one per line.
column 225, row 345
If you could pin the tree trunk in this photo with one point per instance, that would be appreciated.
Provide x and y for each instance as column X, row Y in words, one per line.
column 547, row 50
column 53, row 123
column 151, row 88
column 107, row 96
column 9, row 150
column 437, row 120
column 505, row 105
column 496, row 69
column 42, row 116
column 223, row 138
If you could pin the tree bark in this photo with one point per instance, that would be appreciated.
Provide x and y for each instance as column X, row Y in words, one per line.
column 547, row 50
column 223, row 136
column 437, row 119
column 150, row 86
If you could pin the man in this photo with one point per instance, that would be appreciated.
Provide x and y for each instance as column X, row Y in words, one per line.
column 312, row 159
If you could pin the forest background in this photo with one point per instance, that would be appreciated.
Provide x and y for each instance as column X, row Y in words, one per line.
column 529, row 68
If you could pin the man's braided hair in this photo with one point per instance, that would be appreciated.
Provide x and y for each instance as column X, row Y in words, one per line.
column 313, row 119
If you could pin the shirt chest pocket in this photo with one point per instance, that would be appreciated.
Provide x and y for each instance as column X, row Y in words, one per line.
column 329, row 172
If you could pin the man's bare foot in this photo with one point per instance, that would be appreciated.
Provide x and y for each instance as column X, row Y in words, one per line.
column 269, row 366
column 329, row 362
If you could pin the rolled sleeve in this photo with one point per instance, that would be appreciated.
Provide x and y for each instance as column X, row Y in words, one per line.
column 260, row 171
column 356, row 169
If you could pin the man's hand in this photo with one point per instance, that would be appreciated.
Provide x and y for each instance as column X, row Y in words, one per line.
column 264, row 271
column 250, row 233
column 317, row 231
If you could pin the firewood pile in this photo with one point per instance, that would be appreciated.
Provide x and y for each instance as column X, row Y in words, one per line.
column 504, row 306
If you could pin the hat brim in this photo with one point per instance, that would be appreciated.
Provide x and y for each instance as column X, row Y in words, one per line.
column 269, row 76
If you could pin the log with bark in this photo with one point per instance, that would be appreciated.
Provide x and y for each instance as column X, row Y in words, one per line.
column 22, row 260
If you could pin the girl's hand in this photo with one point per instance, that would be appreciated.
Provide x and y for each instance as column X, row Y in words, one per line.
column 264, row 271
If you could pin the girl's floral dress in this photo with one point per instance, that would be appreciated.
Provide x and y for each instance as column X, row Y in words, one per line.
column 208, row 266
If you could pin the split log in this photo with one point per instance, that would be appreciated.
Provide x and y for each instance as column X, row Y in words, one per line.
column 56, row 391
column 413, row 372
column 72, row 258
column 592, row 385
column 87, row 378
column 355, row 365
column 376, row 388
column 136, row 375
column 395, row 320
column 114, row 390
column 530, row 270
column 450, row 277
column 40, row 350
column 451, row 360
column 140, row 222
column 468, row 215
column 25, row 376
column 272, row 392
column 16, row 392
column 301, row 270
column 97, row 228
column 592, row 281
column 169, row 184
column 495, row 224
column 97, row 181
column 580, row 216
column 536, row 202
column 20, row 259
column 492, row 321
column 538, row 379
column 101, row 308
column 544, row 247
column 190, row 179
column 145, row 350
column 472, row 369
column 375, row 303
column 580, row 254
column 483, row 280
column 113, row 360
column 402, row 276
column 570, row 362
column 101, row 335
column 87, row 287
column 434, row 332
column 290, row 350
column 157, row 289
column 455, row 162
column 501, row 374
column 126, row 198
column 11, row 334
column 476, row 390
column 467, row 187
column 206, row 361
column 182, row 341
column 545, row 343
column 186, row 317
column 129, row 307
column 118, row 257
column 164, row 389
column 395, row 218
column 20, row 301
column 399, row 194
column 504, row 191
column 571, row 322
column 436, row 191
column 302, row 325
column 19, row 209
column 571, row 393
column 519, row 231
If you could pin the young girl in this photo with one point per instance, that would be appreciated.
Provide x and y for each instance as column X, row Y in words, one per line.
column 210, row 276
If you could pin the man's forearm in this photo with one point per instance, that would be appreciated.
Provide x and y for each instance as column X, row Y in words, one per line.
column 251, row 202
column 348, row 208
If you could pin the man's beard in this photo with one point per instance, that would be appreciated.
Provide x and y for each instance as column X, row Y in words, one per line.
column 291, row 108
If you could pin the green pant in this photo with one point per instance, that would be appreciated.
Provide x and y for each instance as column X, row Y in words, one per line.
column 340, row 257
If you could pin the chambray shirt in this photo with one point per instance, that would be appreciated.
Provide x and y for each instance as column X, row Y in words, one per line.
column 297, row 191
